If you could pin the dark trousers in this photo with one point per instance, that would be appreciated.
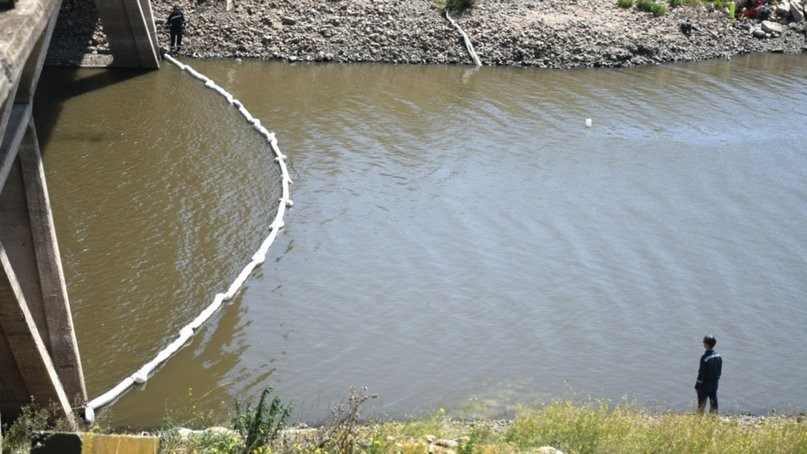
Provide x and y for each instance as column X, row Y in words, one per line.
column 702, row 396
column 176, row 38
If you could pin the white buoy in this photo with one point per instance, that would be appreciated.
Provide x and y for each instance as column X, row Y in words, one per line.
column 588, row 122
column 89, row 414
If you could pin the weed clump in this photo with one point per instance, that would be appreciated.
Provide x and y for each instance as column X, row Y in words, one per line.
column 261, row 425
column 657, row 9
column 253, row 429
column 457, row 5
column 341, row 432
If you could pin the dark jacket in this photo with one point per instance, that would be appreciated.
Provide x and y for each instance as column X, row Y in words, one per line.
column 176, row 20
column 709, row 371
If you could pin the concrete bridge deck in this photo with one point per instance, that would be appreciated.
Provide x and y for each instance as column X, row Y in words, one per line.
column 39, row 356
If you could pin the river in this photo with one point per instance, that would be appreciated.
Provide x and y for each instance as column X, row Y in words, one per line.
column 459, row 237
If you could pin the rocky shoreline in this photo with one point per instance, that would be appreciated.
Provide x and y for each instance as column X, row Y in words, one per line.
column 534, row 33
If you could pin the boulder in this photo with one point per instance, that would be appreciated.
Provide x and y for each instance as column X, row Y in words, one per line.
column 772, row 27
column 783, row 9
column 548, row 450
column 446, row 443
column 797, row 12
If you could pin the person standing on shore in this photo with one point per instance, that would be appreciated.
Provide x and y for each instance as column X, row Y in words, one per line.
column 711, row 365
column 176, row 24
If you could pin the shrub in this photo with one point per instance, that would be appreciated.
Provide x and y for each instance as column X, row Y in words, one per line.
column 646, row 5
column 658, row 9
column 458, row 5
column 261, row 425
column 676, row 3
column 33, row 418
column 624, row 3
column 340, row 435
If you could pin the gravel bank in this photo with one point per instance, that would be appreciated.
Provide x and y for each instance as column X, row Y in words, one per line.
column 536, row 33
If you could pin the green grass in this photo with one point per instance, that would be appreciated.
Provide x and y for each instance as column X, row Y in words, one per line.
column 592, row 426
column 625, row 3
column 573, row 427
column 597, row 427
column 659, row 9
column 588, row 427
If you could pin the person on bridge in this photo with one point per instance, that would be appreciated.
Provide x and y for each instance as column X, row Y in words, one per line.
column 176, row 24
column 711, row 365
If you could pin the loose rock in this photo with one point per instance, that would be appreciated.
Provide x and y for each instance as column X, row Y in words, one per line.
column 538, row 33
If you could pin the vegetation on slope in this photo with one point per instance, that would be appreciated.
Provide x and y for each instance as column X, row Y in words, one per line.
column 591, row 426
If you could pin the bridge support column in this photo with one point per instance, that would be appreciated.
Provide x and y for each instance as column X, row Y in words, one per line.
column 130, row 30
column 38, row 350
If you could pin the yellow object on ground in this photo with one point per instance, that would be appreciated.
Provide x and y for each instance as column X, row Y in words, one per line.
column 109, row 444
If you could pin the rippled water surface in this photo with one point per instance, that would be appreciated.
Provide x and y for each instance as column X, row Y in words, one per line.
column 459, row 238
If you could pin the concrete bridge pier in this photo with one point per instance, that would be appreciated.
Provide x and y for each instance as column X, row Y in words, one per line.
column 39, row 356
column 130, row 30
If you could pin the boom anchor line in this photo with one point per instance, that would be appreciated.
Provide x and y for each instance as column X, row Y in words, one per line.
column 142, row 375
column 468, row 45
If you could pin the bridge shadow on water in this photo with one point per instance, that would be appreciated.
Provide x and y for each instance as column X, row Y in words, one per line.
column 58, row 85
column 76, row 34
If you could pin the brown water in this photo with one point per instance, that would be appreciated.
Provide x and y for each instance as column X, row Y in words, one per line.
column 459, row 238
